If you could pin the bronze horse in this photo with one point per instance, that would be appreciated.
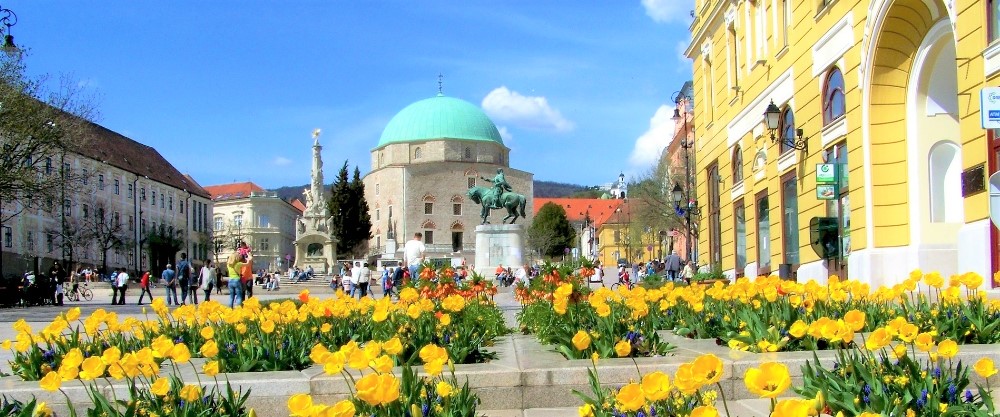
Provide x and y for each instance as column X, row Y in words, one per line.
column 513, row 202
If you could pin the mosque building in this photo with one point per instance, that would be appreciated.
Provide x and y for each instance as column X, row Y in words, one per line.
column 429, row 155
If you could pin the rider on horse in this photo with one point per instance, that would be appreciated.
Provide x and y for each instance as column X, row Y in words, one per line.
column 499, row 186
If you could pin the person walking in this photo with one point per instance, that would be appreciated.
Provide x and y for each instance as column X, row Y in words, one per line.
column 365, row 280
column 184, row 272
column 673, row 265
column 688, row 274
column 414, row 250
column 234, row 264
column 356, row 279
column 170, row 285
column 206, row 278
column 144, row 288
column 122, row 284
column 397, row 280
column 384, row 279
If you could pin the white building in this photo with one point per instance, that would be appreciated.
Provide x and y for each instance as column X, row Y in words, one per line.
column 246, row 212
column 130, row 196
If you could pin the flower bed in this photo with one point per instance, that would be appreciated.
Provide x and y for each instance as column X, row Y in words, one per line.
column 764, row 315
column 560, row 309
column 255, row 337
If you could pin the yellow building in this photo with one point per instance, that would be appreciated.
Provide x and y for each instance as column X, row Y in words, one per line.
column 887, row 92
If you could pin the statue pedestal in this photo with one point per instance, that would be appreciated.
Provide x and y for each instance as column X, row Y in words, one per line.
column 390, row 250
column 498, row 244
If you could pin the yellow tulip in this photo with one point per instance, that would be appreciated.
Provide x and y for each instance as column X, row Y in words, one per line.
column 42, row 410
column 708, row 368
column 73, row 358
column 908, row 332
column 393, row 346
column 377, row 389
column 180, row 353
column 630, row 397
column 623, row 348
column 656, row 386
column 433, row 353
column 382, row 364
column 334, row 363
column 586, row 410
column 73, row 314
column 444, row 389
column 211, row 368
column 51, row 381
column 924, row 342
column 190, row 393
column 855, row 319
column 985, row 368
column 208, row 332
column 581, row 341
column 560, row 304
column 947, row 348
column 434, row 368
column 319, row 353
column 160, row 387
column 162, row 346
column 241, row 328
column 453, row 303
column 869, row 414
column 91, row 368
column 267, row 326
column 685, row 379
column 798, row 329
column 878, row 339
column 704, row 411
column 445, row 319
column 344, row 408
column 792, row 408
column 299, row 405
column 899, row 351
column 769, row 381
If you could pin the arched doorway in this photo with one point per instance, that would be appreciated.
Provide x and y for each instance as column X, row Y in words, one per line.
column 912, row 155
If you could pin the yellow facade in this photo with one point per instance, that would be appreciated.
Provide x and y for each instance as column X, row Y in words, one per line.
column 909, row 127
column 611, row 245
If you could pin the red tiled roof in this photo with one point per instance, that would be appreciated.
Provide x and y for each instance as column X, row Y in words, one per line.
column 117, row 150
column 233, row 191
column 298, row 204
column 579, row 208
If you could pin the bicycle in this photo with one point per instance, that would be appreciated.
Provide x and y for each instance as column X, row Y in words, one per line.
column 626, row 283
column 81, row 291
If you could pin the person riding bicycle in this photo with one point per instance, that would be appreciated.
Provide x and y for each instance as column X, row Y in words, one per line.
column 623, row 276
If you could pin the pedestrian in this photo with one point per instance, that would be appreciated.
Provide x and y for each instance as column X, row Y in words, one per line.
column 122, row 284
column 184, row 272
column 170, row 285
column 207, row 278
column 356, row 278
column 688, row 274
column 385, row 279
column 114, row 286
column 365, row 280
column 233, row 265
column 673, row 265
column 397, row 279
column 220, row 274
column 246, row 276
column 414, row 250
column 144, row 288
column 276, row 281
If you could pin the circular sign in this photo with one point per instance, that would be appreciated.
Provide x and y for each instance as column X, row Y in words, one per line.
column 649, row 248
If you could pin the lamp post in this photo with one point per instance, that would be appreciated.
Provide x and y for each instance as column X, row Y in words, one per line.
column 662, row 234
column 773, row 118
column 8, row 19
column 681, row 99
column 238, row 219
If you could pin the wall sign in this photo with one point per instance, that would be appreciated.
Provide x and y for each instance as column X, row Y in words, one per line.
column 989, row 107
column 826, row 191
column 974, row 180
column 826, row 173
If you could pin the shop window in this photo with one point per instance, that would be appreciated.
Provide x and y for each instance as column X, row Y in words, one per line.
column 992, row 20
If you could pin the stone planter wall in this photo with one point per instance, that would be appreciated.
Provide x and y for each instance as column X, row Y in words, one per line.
column 525, row 375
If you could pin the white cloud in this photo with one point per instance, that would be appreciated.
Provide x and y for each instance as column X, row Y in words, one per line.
column 649, row 146
column 683, row 59
column 531, row 112
column 666, row 11
column 505, row 133
column 281, row 161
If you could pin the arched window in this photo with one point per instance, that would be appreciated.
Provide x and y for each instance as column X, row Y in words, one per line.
column 833, row 96
column 416, row 153
column 787, row 129
column 737, row 164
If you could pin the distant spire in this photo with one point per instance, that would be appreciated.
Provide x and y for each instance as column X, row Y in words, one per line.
column 440, row 84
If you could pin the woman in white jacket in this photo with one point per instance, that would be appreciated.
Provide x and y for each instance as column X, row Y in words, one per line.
column 206, row 279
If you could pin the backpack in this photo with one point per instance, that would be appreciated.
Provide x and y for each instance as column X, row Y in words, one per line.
column 184, row 268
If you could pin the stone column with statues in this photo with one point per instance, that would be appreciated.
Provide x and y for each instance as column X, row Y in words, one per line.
column 315, row 244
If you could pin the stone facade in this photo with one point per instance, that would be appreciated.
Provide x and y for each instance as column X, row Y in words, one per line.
column 409, row 178
column 264, row 221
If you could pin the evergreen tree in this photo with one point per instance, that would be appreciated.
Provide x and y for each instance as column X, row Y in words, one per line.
column 550, row 232
column 351, row 221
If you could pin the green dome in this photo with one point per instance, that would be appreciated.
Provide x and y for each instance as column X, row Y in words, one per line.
column 440, row 117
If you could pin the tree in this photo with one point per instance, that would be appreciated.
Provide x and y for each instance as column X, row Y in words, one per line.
column 351, row 222
column 550, row 232
column 162, row 245
column 107, row 232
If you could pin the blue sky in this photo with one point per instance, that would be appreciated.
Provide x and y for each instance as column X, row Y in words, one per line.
column 231, row 90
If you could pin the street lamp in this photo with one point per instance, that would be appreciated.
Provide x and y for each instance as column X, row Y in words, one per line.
column 773, row 118
column 8, row 19
column 682, row 99
column 691, row 209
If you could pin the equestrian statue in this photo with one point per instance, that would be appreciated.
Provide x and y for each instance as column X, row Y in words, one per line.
column 500, row 196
